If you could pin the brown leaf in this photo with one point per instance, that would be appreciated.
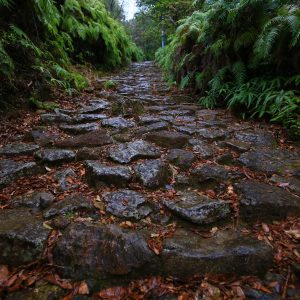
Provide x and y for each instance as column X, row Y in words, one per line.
column 83, row 288
column 155, row 245
column 116, row 293
column 4, row 273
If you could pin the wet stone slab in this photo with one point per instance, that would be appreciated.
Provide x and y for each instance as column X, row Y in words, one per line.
column 118, row 123
column 11, row 171
column 181, row 158
column 99, row 175
column 271, row 161
column 22, row 237
column 85, row 118
column 53, row 156
column 198, row 209
column 290, row 183
column 41, row 136
column 258, row 139
column 260, row 201
column 213, row 173
column 95, row 107
column 100, row 252
column 152, row 173
column 168, row 139
column 36, row 200
column 92, row 139
column 56, row 118
column 228, row 253
column 152, row 127
column 72, row 203
column 127, row 204
column 81, row 128
column 202, row 148
column 131, row 151
column 18, row 149
column 63, row 179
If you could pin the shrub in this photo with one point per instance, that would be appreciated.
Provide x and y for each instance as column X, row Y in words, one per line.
column 244, row 54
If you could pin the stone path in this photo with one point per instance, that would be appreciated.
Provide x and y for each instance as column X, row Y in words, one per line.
column 134, row 177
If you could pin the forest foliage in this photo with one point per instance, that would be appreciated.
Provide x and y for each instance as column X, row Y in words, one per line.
column 42, row 39
column 243, row 54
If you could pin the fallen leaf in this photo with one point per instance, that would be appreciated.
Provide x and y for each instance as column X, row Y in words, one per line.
column 83, row 288
column 4, row 273
column 293, row 233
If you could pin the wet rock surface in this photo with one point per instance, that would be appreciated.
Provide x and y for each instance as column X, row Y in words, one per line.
column 70, row 204
column 98, row 252
column 226, row 253
column 152, row 173
column 132, row 151
column 181, row 158
column 260, row 201
column 92, row 139
column 53, row 156
column 270, row 161
column 118, row 123
column 22, row 237
column 99, row 174
column 18, row 149
column 168, row 139
column 10, row 171
column 127, row 204
column 198, row 209
column 141, row 181
column 81, row 128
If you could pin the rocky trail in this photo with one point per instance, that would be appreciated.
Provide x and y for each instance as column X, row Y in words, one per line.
column 142, row 188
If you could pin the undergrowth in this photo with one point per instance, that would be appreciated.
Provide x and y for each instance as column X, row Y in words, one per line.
column 40, row 40
column 241, row 54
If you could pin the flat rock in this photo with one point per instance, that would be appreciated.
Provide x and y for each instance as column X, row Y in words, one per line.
column 80, row 128
column 118, row 123
column 70, row 204
column 227, row 253
column 270, row 161
column 62, row 178
column 37, row 200
column 198, row 209
column 129, row 152
column 127, row 204
column 89, row 153
column 177, row 112
column 41, row 137
column 152, row 173
column 168, row 139
column 22, row 237
column 55, row 155
column 99, row 174
column 238, row 146
column 212, row 134
column 146, row 120
column 260, row 201
column 181, row 158
column 11, row 171
column 56, row 118
column 18, row 149
column 202, row 148
column 85, row 118
column 291, row 183
column 100, row 252
column 96, row 106
column 214, row 173
column 258, row 139
column 152, row 127
column 92, row 139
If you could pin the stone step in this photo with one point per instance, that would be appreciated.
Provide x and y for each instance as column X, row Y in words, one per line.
column 105, row 254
